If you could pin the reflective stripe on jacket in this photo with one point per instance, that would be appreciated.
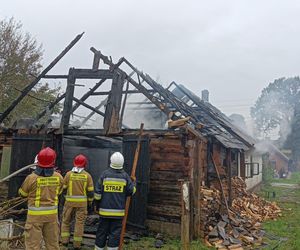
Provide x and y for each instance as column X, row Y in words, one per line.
column 79, row 187
column 42, row 193
column 111, row 191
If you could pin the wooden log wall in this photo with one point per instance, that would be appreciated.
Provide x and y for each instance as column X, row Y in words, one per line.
column 175, row 158
column 169, row 163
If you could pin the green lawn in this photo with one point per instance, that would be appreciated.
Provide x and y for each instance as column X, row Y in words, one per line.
column 171, row 244
column 285, row 231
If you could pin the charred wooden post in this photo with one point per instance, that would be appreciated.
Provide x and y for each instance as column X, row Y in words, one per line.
column 185, row 214
column 65, row 119
column 123, row 105
column 196, row 188
column 96, row 62
column 229, row 175
column 111, row 122
column 29, row 87
column 243, row 166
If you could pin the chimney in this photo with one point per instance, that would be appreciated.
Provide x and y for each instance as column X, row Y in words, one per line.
column 205, row 95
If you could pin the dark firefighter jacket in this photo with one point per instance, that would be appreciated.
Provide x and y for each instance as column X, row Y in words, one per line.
column 111, row 191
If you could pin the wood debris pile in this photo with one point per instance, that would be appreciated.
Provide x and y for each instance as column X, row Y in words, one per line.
column 10, row 208
column 12, row 236
column 3, row 191
column 240, row 227
column 250, row 205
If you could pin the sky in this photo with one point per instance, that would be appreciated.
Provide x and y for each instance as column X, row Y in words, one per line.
column 232, row 48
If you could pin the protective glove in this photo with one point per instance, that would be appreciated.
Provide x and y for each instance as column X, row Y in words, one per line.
column 96, row 206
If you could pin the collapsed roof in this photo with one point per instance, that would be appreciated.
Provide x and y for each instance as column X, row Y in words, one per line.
column 216, row 123
column 126, row 80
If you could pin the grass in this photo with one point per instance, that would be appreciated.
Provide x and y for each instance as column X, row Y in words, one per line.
column 295, row 179
column 171, row 244
column 284, row 233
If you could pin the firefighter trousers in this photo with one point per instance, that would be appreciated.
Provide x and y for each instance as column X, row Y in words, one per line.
column 108, row 232
column 34, row 232
column 80, row 214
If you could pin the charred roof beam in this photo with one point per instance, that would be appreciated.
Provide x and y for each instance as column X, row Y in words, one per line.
column 29, row 87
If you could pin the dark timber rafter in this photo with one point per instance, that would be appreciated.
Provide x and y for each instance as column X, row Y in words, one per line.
column 29, row 87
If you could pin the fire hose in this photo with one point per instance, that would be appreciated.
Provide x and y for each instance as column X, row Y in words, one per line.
column 17, row 172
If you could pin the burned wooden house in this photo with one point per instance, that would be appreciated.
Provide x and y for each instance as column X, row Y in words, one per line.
column 186, row 140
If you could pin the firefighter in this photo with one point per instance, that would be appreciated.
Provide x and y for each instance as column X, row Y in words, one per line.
column 42, row 188
column 79, row 189
column 111, row 191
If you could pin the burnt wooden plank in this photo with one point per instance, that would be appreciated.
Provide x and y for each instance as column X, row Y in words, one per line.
column 50, row 106
column 138, row 86
column 93, row 74
column 166, row 175
column 29, row 87
column 150, row 91
column 55, row 77
column 174, row 158
column 96, row 61
column 88, row 106
column 164, row 210
column 168, row 167
column 164, row 218
column 111, row 123
column 161, row 187
column 167, row 150
column 167, row 200
column 124, row 104
column 166, row 141
column 65, row 119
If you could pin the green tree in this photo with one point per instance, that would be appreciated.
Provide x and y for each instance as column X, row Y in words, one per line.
column 20, row 63
column 294, row 137
column 275, row 106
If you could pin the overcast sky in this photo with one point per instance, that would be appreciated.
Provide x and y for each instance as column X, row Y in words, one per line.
column 232, row 48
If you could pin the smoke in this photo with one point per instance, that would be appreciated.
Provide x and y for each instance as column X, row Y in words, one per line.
column 273, row 116
column 285, row 130
column 262, row 147
column 151, row 116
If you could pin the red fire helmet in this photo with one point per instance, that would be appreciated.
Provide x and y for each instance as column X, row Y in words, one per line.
column 46, row 158
column 80, row 161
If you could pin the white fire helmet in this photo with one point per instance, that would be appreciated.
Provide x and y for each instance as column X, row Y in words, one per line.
column 116, row 160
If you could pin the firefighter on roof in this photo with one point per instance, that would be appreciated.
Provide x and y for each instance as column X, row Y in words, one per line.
column 111, row 191
column 42, row 188
column 79, row 188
